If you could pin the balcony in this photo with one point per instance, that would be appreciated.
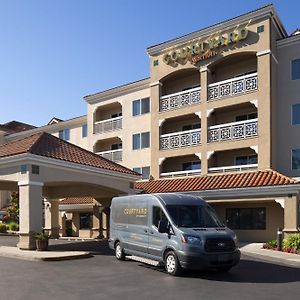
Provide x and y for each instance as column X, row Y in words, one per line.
column 181, row 99
column 232, row 87
column 181, row 173
column 232, row 168
column 108, row 125
column 113, row 155
column 233, row 131
column 180, row 139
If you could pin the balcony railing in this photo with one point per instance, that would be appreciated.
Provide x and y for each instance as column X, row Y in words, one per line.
column 114, row 155
column 233, row 131
column 180, row 139
column 181, row 173
column 108, row 125
column 232, row 87
column 232, row 168
column 181, row 99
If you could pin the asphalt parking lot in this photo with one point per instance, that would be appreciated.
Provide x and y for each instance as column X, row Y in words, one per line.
column 103, row 277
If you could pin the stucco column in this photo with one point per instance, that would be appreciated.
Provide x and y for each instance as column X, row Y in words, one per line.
column 291, row 214
column 31, row 212
column 155, row 92
column 264, row 109
column 204, row 124
column 54, row 209
column 96, row 221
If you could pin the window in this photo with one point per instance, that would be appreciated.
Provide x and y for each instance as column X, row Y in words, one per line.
column 246, row 160
column 141, row 106
column 85, row 220
column 157, row 215
column 84, row 130
column 260, row 29
column 35, row 169
column 296, row 159
column 296, row 69
column 145, row 171
column 116, row 146
column 64, row 134
column 194, row 165
column 190, row 127
column 23, row 169
column 246, row 218
column 295, row 114
column 141, row 140
column 246, row 117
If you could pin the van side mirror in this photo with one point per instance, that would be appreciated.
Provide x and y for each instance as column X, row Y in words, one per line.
column 163, row 226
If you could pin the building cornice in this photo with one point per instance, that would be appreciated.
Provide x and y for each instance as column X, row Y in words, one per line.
column 264, row 12
column 65, row 165
column 118, row 91
column 48, row 128
column 289, row 41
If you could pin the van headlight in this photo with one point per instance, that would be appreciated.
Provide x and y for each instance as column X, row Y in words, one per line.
column 190, row 239
column 236, row 241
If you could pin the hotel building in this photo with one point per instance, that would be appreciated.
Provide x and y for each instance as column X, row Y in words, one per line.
column 219, row 116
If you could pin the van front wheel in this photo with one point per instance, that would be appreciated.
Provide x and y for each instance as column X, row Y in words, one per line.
column 119, row 253
column 172, row 264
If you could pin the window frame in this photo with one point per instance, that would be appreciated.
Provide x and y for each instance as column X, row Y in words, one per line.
column 292, row 105
column 141, row 140
column 252, row 224
column 247, row 155
column 140, row 105
column 64, row 134
column 292, row 169
column 293, row 60
column 141, row 171
column 84, row 131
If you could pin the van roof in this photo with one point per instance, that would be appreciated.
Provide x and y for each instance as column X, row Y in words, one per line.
column 177, row 198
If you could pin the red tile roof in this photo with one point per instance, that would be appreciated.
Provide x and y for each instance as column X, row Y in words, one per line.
column 15, row 126
column 47, row 145
column 216, row 182
column 77, row 200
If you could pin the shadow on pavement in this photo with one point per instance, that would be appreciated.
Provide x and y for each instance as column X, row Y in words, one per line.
column 94, row 247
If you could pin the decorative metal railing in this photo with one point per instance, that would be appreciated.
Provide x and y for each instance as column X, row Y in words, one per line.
column 114, row 155
column 233, row 131
column 180, row 139
column 108, row 125
column 181, row 99
column 232, row 87
column 232, row 168
column 181, row 173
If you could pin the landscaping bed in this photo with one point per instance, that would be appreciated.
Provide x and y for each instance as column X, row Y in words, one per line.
column 289, row 245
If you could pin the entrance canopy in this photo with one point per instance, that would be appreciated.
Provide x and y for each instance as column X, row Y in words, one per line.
column 43, row 166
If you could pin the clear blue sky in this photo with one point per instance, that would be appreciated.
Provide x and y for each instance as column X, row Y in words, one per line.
column 54, row 52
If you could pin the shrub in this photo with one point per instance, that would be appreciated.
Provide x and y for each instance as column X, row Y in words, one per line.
column 292, row 242
column 3, row 228
column 41, row 236
column 13, row 226
column 270, row 245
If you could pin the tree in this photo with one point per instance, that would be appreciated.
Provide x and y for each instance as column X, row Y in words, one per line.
column 13, row 209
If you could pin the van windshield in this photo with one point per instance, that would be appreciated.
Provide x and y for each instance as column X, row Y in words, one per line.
column 194, row 216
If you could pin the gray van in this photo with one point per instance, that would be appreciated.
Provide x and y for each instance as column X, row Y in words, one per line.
column 179, row 231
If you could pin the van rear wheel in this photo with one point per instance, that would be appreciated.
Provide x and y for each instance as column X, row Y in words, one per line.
column 119, row 253
column 172, row 264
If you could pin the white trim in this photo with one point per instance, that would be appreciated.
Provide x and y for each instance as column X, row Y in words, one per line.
column 180, row 93
column 109, row 120
column 180, row 173
column 289, row 41
column 181, row 132
column 30, row 183
column 232, row 79
column 232, row 123
column 155, row 83
column 109, row 151
column 232, row 168
column 268, row 51
column 204, row 69
column 280, row 201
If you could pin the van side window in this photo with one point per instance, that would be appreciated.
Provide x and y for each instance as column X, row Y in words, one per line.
column 158, row 215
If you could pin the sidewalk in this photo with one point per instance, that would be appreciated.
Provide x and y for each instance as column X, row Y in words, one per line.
column 255, row 249
column 33, row 255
